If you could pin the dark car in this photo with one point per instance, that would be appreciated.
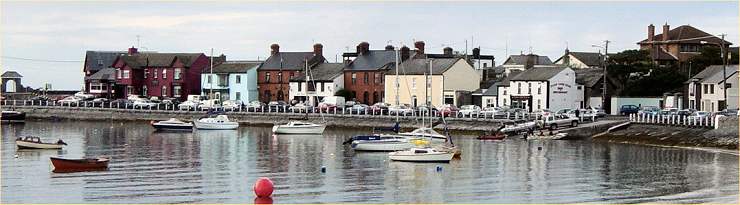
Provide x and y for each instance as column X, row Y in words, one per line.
column 628, row 109
column 277, row 106
column 122, row 103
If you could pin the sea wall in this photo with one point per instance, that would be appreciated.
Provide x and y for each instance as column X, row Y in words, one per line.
column 726, row 137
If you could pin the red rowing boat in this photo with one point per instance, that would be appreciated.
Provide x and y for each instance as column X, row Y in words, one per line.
column 79, row 165
column 497, row 136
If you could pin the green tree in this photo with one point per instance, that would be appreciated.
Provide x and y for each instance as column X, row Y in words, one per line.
column 710, row 56
column 637, row 75
column 344, row 93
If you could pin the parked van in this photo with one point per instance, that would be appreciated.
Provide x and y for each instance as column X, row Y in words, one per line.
column 337, row 101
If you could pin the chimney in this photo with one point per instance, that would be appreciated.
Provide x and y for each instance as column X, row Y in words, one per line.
column 666, row 28
column 389, row 47
column 274, row 49
column 363, row 48
column 447, row 51
column 318, row 49
column 419, row 45
column 651, row 32
column 476, row 53
column 405, row 52
column 132, row 50
column 531, row 61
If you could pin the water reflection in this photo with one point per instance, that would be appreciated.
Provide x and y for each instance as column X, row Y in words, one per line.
column 221, row 166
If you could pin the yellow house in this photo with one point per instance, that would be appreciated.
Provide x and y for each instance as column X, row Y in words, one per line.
column 450, row 80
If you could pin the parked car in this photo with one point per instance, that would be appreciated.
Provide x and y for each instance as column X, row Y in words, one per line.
column 121, row 103
column 300, row 107
column 540, row 113
column 232, row 104
column 448, row 110
column 277, row 106
column 40, row 98
column 358, row 109
column 469, row 110
column 350, row 103
column 598, row 111
column 585, row 114
column 649, row 110
column 629, row 109
column 728, row 112
column 425, row 110
column 70, row 100
column 144, row 103
column 699, row 115
column 255, row 106
column 516, row 112
column 84, row 96
column 170, row 101
column 188, row 105
column 555, row 120
column 684, row 112
column 492, row 112
column 379, row 108
column 135, row 97
column 400, row 110
column 210, row 104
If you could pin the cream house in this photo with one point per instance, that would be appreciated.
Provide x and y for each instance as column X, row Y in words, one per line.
column 705, row 91
column 543, row 87
column 416, row 86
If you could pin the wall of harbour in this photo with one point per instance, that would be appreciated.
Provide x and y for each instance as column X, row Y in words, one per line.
column 725, row 137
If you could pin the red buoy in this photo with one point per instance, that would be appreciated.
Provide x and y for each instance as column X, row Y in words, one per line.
column 263, row 187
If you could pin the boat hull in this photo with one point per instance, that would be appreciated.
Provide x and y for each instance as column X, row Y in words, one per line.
column 62, row 165
column 34, row 145
column 380, row 145
column 216, row 126
column 283, row 129
column 13, row 117
column 430, row 157
column 173, row 127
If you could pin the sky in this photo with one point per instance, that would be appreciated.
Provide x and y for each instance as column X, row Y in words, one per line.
column 55, row 35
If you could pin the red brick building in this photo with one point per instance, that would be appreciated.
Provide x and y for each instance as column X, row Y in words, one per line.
column 159, row 74
column 273, row 76
column 678, row 45
column 364, row 72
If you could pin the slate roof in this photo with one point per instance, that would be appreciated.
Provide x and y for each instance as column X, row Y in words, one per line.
column 538, row 73
column 522, row 60
column 589, row 76
column 233, row 67
column 419, row 66
column 291, row 61
column 141, row 60
column 104, row 74
column 507, row 79
column 686, row 34
column 322, row 72
column 714, row 73
column 11, row 74
column 373, row 60
column 492, row 91
column 96, row 60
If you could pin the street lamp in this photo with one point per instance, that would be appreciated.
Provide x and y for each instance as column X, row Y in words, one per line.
column 606, row 54
column 724, row 67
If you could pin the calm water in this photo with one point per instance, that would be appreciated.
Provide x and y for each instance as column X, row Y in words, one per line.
column 221, row 167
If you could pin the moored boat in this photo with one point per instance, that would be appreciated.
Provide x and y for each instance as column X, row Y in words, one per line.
column 384, row 143
column 425, row 132
column 12, row 116
column 421, row 155
column 30, row 142
column 298, row 127
column 220, row 122
column 80, row 164
column 173, row 124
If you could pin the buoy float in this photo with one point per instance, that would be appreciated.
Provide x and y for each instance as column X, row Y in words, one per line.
column 263, row 187
column 263, row 200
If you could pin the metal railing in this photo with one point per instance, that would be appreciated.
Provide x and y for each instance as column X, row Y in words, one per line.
column 708, row 121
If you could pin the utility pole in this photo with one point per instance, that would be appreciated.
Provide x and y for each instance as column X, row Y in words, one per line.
column 606, row 64
column 724, row 71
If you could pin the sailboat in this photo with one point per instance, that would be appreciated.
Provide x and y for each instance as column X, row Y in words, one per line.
column 300, row 127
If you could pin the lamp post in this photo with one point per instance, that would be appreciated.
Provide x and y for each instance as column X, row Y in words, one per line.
column 724, row 68
column 606, row 56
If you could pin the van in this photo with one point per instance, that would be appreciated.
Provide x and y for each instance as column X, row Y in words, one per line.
column 337, row 101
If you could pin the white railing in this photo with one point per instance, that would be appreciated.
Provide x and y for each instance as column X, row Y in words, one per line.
column 675, row 120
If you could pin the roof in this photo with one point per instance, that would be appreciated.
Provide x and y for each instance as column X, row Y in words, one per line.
column 538, row 73
column 491, row 91
column 233, row 67
column 591, row 59
column 662, row 54
column 322, row 72
column 522, row 60
column 420, row 66
column 507, row 79
column 291, row 61
column 686, row 34
column 589, row 76
column 104, row 74
column 11, row 74
column 716, row 73
column 373, row 60
column 96, row 60
column 141, row 60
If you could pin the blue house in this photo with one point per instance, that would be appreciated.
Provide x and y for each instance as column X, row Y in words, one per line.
column 231, row 80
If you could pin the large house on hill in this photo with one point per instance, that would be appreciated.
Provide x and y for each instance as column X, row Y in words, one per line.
column 678, row 45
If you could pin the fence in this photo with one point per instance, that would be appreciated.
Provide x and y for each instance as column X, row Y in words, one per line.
column 676, row 120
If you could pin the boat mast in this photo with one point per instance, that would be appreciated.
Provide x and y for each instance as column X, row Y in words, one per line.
column 397, row 99
column 210, row 84
column 429, row 83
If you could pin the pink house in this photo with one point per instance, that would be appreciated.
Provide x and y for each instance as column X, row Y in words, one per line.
column 165, row 75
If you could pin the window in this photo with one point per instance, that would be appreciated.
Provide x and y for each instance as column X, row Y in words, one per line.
column 322, row 86
column 505, row 101
column 300, row 85
column 529, row 88
column 539, row 104
column 377, row 78
column 130, row 90
column 164, row 73
column 706, row 88
column 519, row 88
column 728, row 85
column 118, row 73
column 125, row 74
column 267, row 80
column 711, row 89
column 354, row 78
column 382, row 78
column 413, row 83
column 176, row 91
column 223, row 80
column 539, row 89
column 689, row 48
column 367, row 78
column 156, row 73
column 177, row 73
column 164, row 91
column 238, row 79
column 485, row 65
column 94, row 86
column 504, row 91
column 143, row 90
column 210, row 79
column 238, row 96
column 280, row 77
column 146, row 72
column 100, row 61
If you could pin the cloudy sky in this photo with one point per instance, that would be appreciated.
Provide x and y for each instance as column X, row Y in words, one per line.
column 55, row 35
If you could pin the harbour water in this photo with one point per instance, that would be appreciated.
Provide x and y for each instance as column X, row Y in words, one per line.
column 221, row 167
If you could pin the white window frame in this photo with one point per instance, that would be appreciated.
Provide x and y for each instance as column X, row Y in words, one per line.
column 164, row 73
column 176, row 91
column 178, row 72
column 126, row 74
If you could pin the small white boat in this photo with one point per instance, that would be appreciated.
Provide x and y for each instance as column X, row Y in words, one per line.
column 220, row 122
column 385, row 143
column 35, row 143
column 425, row 132
column 173, row 124
column 421, row 155
column 298, row 127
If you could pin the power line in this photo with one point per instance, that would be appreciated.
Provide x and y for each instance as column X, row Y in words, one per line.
column 42, row 60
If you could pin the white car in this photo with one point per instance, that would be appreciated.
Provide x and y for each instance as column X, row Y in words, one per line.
column 232, row 104
column 210, row 104
column 135, row 97
column 187, row 105
column 70, row 100
column 143, row 103
column 492, row 112
column 469, row 110
column 400, row 109
column 300, row 107
column 84, row 96
column 699, row 115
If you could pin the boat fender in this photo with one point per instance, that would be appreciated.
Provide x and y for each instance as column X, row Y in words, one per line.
column 263, row 187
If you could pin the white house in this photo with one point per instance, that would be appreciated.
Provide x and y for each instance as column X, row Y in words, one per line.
column 450, row 78
column 705, row 91
column 543, row 87
column 524, row 62
column 324, row 80
column 231, row 80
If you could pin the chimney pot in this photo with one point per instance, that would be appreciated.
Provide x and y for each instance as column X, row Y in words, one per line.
column 419, row 45
column 476, row 53
column 318, row 49
column 405, row 53
column 666, row 28
column 447, row 51
column 274, row 49
column 363, row 48
column 132, row 50
column 389, row 47
column 651, row 32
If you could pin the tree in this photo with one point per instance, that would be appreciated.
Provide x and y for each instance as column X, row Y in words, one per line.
column 710, row 55
column 344, row 93
column 639, row 76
